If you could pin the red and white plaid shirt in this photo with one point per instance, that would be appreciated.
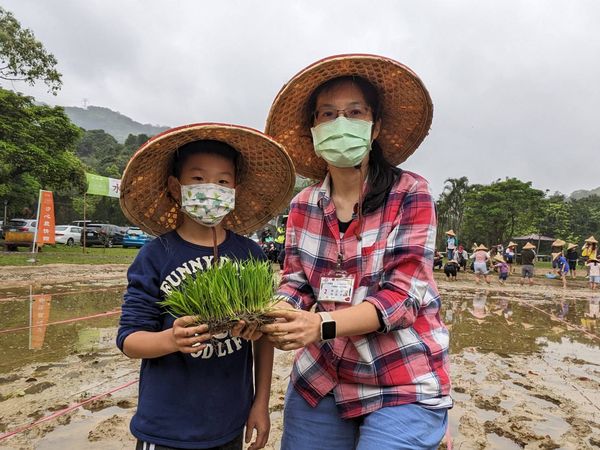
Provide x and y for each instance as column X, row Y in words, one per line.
column 406, row 361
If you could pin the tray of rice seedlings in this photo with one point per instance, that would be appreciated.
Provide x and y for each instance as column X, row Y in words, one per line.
column 225, row 293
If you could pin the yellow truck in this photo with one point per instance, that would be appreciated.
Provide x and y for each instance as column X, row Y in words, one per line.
column 15, row 239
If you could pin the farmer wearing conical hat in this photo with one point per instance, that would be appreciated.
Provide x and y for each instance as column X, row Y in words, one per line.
column 198, row 188
column 590, row 248
column 502, row 267
column 480, row 265
column 528, row 256
column 572, row 258
column 451, row 243
column 562, row 266
column 509, row 255
column 359, row 248
column 594, row 272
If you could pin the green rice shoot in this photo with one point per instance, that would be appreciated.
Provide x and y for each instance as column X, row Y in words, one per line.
column 225, row 293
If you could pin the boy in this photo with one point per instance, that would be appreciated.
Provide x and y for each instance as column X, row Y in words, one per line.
column 502, row 268
column 196, row 390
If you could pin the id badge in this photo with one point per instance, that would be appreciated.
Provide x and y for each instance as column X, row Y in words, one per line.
column 336, row 287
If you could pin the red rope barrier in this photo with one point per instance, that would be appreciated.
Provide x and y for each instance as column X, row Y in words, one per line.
column 76, row 319
column 64, row 411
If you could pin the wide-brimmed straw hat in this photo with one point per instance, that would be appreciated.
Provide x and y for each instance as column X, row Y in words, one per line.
column 406, row 110
column 264, row 187
column 591, row 240
column 556, row 255
column 571, row 246
column 511, row 244
column 450, row 233
column 481, row 247
column 499, row 258
column 558, row 243
column 528, row 246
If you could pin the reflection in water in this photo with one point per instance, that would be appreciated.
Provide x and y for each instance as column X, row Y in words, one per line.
column 497, row 323
column 49, row 343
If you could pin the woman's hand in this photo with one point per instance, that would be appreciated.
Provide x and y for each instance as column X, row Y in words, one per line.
column 293, row 328
column 188, row 337
column 248, row 331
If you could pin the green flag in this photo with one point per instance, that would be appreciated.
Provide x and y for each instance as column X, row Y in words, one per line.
column 99, row 185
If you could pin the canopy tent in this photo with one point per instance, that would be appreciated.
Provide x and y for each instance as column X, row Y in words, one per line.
column 534, row 237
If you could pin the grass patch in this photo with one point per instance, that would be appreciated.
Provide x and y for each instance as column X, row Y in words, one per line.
column 62, row 254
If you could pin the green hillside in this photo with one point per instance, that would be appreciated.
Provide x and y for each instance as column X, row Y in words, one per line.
column 582, row 193
column 114, row 123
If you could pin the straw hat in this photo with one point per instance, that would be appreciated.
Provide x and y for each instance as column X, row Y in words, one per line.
column 556, row 255
column 405, row 107
column 558, row 243
column 481, row 247
column 591, row 240
column 450, row 233
column 265, row 183
column 511, row 244
column 499, row 258
column 572, row 246
column 528, row 246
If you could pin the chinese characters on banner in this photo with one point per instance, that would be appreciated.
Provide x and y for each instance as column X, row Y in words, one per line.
column 38, row 321
column 45, row 224
column 99, row 185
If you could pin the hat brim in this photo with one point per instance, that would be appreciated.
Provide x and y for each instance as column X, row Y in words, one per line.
column 264, row 187
column 406, row 109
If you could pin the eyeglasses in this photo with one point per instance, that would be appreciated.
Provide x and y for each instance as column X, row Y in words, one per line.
column 327, row 114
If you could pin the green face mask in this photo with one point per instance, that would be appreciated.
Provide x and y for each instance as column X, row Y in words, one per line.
column 342, row 142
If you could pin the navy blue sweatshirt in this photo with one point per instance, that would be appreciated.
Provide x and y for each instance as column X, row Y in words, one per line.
column 198, row 400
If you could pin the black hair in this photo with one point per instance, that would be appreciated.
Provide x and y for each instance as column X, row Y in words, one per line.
column 381, row 174
column 210, row 147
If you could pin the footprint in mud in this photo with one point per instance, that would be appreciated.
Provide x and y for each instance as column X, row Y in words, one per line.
column 39, row 387
column 487, row 403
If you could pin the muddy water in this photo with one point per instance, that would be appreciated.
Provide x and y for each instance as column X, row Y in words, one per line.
column 525, row 370
column 25, row 338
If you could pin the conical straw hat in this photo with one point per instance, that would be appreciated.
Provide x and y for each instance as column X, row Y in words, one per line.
column 406, row 110
column 528, row 246
column 511, row 244
column 499, row 258
column 481, row 247
column 556, row 255
column 450, row 233
column 558, row 243
column 264, row 187
column 572, row 246
column 591, row 240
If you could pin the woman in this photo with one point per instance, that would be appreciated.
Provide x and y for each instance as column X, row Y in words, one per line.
column 372, row 369
column 480, row 261
column 572, row 257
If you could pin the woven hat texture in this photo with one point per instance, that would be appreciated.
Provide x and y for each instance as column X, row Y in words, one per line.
column 405, row 106
column 264, row 187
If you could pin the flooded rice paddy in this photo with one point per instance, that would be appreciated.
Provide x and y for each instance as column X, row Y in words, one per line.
column 525, row 368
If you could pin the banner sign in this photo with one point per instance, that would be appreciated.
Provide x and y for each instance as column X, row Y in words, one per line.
column 45, row 224
column 38, row 320
column 99, row 185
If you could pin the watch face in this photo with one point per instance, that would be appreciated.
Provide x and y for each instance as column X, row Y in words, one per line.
column 328, row 330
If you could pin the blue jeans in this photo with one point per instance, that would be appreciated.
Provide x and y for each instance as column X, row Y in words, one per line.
column 391, row 428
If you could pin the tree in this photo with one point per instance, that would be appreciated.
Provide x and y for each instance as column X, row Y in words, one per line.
column 23, row 57
column 36, row 151
column 450, row 206
column 494, row 213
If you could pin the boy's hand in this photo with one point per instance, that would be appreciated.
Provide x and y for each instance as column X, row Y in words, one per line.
column 258, row 420
column 247, row 331
column 188, row 337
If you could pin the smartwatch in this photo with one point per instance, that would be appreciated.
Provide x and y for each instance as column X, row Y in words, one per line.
column 328, row 329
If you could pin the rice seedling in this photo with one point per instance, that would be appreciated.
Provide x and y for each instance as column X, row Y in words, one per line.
column 225, row 293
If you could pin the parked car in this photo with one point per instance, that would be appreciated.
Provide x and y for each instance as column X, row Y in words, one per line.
column 67, row 234
column 27, row 225
column 135, row 237
column 18, row 233
column 103, row 234
column 79, row 223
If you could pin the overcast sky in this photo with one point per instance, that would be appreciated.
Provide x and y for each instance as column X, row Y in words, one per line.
column 515, row 84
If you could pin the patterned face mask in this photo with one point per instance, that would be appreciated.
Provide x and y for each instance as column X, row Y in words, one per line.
column 207, row 203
